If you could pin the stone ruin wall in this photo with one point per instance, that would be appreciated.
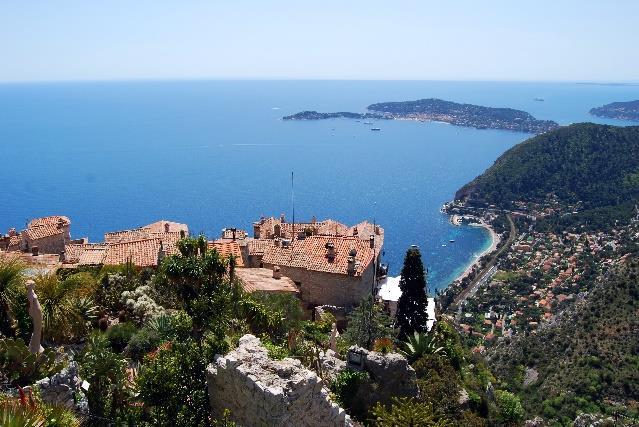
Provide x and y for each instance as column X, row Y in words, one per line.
column 263, row 392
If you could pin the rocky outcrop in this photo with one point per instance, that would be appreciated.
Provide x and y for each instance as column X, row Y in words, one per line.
column 390, row 371
column 64, row 389
column 263, row 392
column 592, row 420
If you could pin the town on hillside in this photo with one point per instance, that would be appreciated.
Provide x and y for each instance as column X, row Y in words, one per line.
column 325, row 263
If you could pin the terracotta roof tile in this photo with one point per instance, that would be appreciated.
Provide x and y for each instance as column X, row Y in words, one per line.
column 312, row 254
column 261, row 279
column 40, row 228
column 143, row 253
column 258, row 246
column 84, row 253
column 226, row 248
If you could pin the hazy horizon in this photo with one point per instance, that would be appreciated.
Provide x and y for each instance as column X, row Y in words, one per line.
column 573, row 41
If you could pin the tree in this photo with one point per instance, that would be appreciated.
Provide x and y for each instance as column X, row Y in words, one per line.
column 411, row 308
column 368, row 322
column 11, row 277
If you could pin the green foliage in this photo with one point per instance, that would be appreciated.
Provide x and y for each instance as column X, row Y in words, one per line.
column 407, row 412
column 346, row 384
column 105, row 371
column 411, row 313
column 586, row 163
column 420, row 344
column 29, row 411
column 510, row 409
column 66, row 310
column 11, row 291
column 140, row 304
column 111, row 287
column 22, row 366
column 275, row 352
column 285, row 310
column 143, row 342
column 586, row 360
column 366, row 323
column 172, row 383
column 119, row 335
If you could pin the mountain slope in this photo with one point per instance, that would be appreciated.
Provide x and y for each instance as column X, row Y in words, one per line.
column 588, row 360
column 593, row 166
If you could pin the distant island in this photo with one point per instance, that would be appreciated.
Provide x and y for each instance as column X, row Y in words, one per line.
column 618, row 110
column 433, row 109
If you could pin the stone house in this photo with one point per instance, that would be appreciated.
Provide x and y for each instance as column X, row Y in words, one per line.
column 328, row 270
column 47, row 235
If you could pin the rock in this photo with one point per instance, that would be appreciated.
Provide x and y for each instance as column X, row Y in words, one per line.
column 592, row 420
column 391, row 372
column 64, row 388
column 530, row 376
column 261, row 391
column 331, row 365
column 535, row 422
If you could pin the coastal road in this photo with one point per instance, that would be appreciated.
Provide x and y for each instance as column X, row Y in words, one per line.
column 489, row 271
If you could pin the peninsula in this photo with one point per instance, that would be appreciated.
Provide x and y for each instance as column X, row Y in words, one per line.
column 618, row 110
column 433, row 109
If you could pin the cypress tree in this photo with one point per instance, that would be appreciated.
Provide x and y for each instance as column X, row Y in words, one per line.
column 411, row 308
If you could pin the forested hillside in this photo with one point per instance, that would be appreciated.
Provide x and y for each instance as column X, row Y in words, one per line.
column 593, row 168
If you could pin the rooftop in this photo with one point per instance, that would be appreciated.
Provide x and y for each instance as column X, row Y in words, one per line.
column 261, row 279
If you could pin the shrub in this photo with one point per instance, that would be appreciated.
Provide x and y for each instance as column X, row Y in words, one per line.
column 142, row 343
column 119, row 335
column 346, row 384
column 22, row 366
column 407, row 412
column 510, row 409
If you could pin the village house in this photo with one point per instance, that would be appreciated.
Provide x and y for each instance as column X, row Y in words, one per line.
column 143, row 247
column 47, row 235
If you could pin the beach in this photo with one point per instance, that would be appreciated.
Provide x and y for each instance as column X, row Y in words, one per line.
column 495, row 239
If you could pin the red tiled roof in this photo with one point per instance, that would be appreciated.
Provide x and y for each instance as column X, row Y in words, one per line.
column 40, row 228
column 84, row 253
column 14, row 242
column 226, row 248
column 160, row 227
column 261, row 279
column 142, row 253
column 311, row 254
column 258, row 246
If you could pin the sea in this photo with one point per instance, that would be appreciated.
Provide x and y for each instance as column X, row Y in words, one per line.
column 214, row 154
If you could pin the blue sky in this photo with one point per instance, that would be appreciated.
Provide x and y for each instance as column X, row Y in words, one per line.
column 348, row 39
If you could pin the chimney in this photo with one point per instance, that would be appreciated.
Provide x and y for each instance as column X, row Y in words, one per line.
column 256, row 230
column 166, row 227
column 372, row 241
column 351, row 265
column 313, row 220
column 330, row 251
column 12, row 232
column 35, row 251
column 282, row 218
column 377, row 230
column 234, row 230
column 355, row 231
column 60, row 223
column 276, row 272
column 182, row 234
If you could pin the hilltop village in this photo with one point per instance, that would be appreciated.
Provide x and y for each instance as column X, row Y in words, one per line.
column 325, row 263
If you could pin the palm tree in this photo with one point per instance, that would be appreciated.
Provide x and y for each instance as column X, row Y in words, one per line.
column 420, row 344
column 11, row 280
column 65, row 311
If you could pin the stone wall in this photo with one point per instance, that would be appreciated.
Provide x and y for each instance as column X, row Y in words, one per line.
column 320, row 288
column 263, row 392
column 391, row 374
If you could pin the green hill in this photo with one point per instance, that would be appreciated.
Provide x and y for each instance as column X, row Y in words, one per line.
column 588, row 361
column 595, row 167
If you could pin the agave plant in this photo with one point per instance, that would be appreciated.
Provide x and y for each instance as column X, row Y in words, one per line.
column 11, row 278
column 420, row 344
column 24, row 367
column 27, row 411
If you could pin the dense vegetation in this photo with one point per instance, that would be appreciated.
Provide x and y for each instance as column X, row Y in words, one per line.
column 588, row 361
column 592, row 169
column 618, row 110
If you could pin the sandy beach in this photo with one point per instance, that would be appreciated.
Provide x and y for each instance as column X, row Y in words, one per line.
column 495, row 239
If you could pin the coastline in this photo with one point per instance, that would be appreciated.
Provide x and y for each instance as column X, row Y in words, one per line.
column 495, row 239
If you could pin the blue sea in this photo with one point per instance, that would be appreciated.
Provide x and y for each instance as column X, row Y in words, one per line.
column 214, row 154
